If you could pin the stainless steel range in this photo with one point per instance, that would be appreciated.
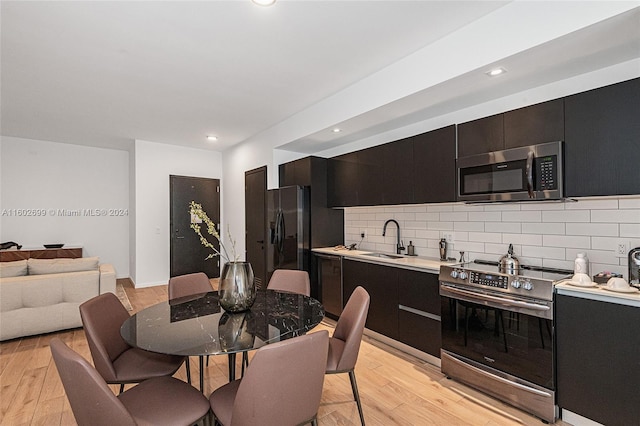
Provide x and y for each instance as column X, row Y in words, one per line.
column 498, row 334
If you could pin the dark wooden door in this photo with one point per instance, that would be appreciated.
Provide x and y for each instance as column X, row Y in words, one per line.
column 255, row 220
column 480, row 136
column 187, row 254
column 398, row 176
column 539, row 123
column 342, row 180
column 434, row 172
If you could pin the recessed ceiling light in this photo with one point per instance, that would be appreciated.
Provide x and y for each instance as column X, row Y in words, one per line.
column 337, row 130
column 496, row 71
column 264, row 2
column 212, row 138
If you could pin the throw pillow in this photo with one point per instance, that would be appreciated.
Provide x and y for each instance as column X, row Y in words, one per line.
column 58, row 266
column 13, row 269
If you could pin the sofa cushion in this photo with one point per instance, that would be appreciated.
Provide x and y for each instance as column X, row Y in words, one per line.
column 13, row 269
column 58, row 266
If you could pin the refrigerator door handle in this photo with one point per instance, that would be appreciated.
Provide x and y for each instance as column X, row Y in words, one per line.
column 279, row 237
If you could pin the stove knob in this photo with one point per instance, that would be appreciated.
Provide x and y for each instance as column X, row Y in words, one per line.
column 515, row 283
column 454, row 274
column 462, row 275
column 528, row 286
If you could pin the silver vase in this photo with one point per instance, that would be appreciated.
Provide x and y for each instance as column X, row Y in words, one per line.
column 237, row 289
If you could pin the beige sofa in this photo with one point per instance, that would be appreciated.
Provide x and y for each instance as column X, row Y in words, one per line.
column 43, row 295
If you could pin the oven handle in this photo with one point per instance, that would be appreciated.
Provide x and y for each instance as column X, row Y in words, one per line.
column 498, row 300
column 501, row 379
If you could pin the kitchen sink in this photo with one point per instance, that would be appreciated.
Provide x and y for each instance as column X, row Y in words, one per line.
column 383, row 255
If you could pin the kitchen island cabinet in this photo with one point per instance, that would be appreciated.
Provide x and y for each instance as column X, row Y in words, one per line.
column 598, row 367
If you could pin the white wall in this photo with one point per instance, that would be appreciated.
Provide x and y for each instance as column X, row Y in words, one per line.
column 54, row 177
column 154, row 163
column 543, row 234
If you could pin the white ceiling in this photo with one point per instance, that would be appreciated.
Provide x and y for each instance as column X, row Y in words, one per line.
column 107, row 73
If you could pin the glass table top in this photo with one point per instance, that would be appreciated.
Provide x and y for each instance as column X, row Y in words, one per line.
column 197, row 325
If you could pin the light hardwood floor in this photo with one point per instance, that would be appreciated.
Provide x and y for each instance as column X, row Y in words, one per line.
column 395, row 388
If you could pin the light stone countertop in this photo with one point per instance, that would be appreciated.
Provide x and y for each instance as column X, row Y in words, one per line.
column 598, row 293
column 416, row 263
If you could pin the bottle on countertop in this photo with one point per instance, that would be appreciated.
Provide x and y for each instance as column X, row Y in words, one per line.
column 411, row 249
column 443, row 249
column 581, row 264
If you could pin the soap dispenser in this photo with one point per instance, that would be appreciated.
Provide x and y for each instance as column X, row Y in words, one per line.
column 411, row 249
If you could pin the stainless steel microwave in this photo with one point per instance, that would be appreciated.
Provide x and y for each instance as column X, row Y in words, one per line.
column 529, row 173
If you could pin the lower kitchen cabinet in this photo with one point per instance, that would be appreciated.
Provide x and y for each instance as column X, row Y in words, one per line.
column 405, row 304
column 381, row 282
column 419, row 311
column 598, row 362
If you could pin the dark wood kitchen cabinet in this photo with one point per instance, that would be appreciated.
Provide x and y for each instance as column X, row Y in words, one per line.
column 602, row 140
column 342, row 180
column 598, row 367
column 434, row 166
column 371, row 162
column 419, row 311
column 381, row 282
column 398, row 175
column 531, row 125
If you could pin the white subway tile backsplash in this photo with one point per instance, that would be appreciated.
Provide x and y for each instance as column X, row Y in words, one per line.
column 511, row 227
column 581, row 242
column 549, row 234
column 617, row 216
column 528, row 239
column 629, row 203
column 522, row 216
column 600, row 229
column 482, row 216
column 468, row 226
column 566, row 216
column 543, row 228
column 593, row 204
column 629, row 230
column 487, row 237
column 454, row 216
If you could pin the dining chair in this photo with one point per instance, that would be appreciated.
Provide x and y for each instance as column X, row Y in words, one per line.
column 281, row 387
column 188, row 285
column 344, row 344
column 159, row 400
column 291, row 280
column 116, row 361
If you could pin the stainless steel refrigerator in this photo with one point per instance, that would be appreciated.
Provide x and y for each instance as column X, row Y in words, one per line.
column 288, row 228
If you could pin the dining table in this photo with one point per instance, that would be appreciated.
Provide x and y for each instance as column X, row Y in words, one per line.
column 196, row 325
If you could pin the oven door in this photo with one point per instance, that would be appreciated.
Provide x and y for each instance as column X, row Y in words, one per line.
column 511, row 335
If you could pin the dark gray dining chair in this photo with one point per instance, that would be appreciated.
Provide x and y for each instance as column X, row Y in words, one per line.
column 281, row 387
column 117, row 361
column 291, row 280
column 188, row 285
column 344, row 345
column 156, row 401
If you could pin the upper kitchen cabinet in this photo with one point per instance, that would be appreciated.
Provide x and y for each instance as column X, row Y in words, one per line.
column 434, row 166
column 398, row 175
column 327, row 225
column 602, row 140
column 531, row 125
column 371, row 162
column 482, row 135
column 535, row 124
column 342, row 180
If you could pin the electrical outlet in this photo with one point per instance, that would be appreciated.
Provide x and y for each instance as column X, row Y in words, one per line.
column 362, row 235
column 447, row 236
column 621, row 248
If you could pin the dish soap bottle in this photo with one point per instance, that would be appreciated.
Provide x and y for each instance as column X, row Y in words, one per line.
column 411, row 249
column 581, row 264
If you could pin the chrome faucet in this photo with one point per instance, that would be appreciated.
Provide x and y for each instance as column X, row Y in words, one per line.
column 399, row 246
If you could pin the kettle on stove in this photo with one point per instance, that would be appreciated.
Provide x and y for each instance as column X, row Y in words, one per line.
column 509, row 264
column 634, row 267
